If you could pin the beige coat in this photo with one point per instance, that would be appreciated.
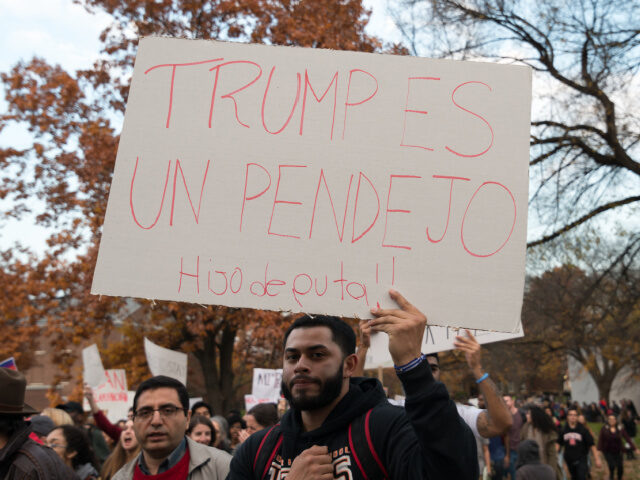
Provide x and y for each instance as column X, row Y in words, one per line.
column 547, row 444
column 204, row 463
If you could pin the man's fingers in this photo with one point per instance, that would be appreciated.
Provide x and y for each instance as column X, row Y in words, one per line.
column 470, row 336
column 388, row 312
column 464, row 348
column 318, row 450
column 402, row 302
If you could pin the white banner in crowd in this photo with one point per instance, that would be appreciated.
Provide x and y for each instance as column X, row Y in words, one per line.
column 266, row 384
column 93, row 371
column 163, row 361
column 314, row 180
column 112, row 396
column 435, row 339
column 251, row 401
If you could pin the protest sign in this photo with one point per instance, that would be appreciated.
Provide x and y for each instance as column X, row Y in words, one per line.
column 266, row 383
column 435, row 339
column 163, row 361
column 313, row 180
column 112, row 395
column 93, row 371
column 9, row 363
column 251, row 401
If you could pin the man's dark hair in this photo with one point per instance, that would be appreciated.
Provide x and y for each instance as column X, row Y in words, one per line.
column 341, row 332
column 201, row 404
column 266, row 414
column 162, row 382
column 434, row 355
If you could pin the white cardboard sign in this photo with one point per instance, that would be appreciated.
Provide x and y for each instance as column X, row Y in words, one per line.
column 435, row 339
column 93, row 371
column 314, row 180
column 266, row 383
column 163, row 361
column 251, row 401
column 112, row 395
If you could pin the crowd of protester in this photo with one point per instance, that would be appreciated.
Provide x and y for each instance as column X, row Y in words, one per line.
column 529, row 450
column 517, row 438
column 539, row 444
column 559, row 435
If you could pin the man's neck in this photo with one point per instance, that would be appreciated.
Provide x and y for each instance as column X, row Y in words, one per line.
column 3, row 441
column 152, row 463
column 572, row 426
column 514, row 410
column 312, row 419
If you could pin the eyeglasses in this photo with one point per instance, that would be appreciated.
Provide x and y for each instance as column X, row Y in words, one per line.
column 55, row 445
column 165, row 411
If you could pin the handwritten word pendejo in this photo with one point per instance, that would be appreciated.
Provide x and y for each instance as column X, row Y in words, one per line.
column 312, row 180
column 343, row 217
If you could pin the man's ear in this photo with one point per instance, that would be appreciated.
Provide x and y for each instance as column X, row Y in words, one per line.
column 188, row 420
column 350, row 365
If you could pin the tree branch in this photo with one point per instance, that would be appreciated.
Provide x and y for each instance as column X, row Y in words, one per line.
column 584, row 218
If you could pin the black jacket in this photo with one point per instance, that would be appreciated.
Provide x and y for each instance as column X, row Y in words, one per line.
column 426, row 440
column 23, row 459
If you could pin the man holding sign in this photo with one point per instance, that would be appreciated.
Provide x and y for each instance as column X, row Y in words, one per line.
column 323, row 435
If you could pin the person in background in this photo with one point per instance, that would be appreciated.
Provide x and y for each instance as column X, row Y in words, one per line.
column 582, row 420
column 72, row 445
column 127, row 448
column 540, row 428
column 76, row 412
column 514, row 434
column 100, row 419
column 59, row 417
column 222, row 433
column 236, row 425
column 258, row 418
column 21, row 457
column 201, row 430
column 497, row 453
column 576, row 441
column 160, row 420
column 41, row 426
column 554, row 419
column 611, row 443
column 629, row 425
column 202, row 408
column 529, row 466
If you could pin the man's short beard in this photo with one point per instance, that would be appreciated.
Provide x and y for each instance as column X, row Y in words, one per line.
column 329, row 392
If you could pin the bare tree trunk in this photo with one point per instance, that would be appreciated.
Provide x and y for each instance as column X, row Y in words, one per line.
column 216, row 361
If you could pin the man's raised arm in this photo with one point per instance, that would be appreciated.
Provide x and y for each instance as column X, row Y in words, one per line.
column 432, row 441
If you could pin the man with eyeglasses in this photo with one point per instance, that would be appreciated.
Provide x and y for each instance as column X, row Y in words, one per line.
column 160, row 419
